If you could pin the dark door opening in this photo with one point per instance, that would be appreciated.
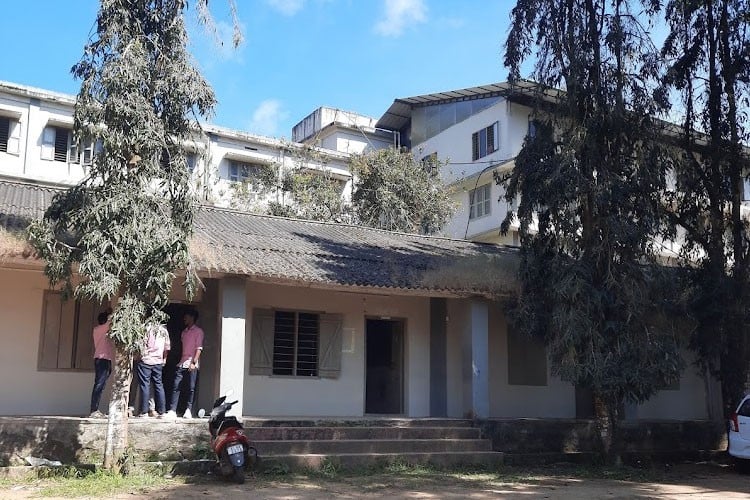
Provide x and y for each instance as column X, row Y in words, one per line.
column 175, row 325
column 384, row 393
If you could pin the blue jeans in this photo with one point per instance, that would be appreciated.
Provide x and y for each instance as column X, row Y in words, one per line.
column 147, row 374
column 192, row 376
column 102, row 369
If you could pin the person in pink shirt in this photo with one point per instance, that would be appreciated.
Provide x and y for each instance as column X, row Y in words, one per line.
column 149, row 367
column 192, row 346
column 103, row 354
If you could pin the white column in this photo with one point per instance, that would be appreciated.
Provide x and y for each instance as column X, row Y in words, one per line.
column 480, row 385
column 232, row 327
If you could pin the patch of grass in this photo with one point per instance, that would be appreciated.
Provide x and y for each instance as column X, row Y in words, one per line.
column 101, row 484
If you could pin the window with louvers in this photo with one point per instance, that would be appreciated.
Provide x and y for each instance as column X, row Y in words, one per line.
column 4, row 133
column 62, row 140
column 295, row 344
column 484, row 142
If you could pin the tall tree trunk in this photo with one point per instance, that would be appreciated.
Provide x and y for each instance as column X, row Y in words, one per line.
column 606, row 415
column 116, row 442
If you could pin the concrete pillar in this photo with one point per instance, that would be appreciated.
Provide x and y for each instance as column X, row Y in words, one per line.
column 232, row 314
column 480, row 384
column 438, row 358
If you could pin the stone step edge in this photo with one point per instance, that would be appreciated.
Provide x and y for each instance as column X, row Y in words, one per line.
column 349, row 427
column 373, row 440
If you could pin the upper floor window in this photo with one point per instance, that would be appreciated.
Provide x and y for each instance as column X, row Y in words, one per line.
column 10, row 135
column 479, row 201
column 430, row 163
column 485, row 141
column 533, row 128
column 58, row 145
column 191, row 159
column 240, row 171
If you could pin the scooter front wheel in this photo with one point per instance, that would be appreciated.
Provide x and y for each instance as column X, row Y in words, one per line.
column 238, row 475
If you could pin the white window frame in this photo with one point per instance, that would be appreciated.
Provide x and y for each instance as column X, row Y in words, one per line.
column 49, row 143
column 480, row 207
column 490, row 137
column 235, row 173
column 13, row 139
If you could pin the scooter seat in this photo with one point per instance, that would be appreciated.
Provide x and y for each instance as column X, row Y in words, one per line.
column 229, row 423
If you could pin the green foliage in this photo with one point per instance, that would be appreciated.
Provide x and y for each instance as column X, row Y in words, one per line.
column 125, row 228
column 708, row 49
column 590, row 183
column 394, row 191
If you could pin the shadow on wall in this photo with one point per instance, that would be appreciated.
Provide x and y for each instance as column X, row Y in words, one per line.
column 40, row 437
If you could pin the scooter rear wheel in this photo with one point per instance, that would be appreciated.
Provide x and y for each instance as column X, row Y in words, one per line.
column 238, row 475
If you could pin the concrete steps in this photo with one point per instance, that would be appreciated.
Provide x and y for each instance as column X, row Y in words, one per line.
column 295, row 444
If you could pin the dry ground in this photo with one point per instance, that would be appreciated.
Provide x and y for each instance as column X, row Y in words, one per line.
column 697, row 481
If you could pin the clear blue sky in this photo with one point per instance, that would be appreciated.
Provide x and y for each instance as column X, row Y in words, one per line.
column 357, row 55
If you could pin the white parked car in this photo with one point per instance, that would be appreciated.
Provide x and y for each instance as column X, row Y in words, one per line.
column 739, row 435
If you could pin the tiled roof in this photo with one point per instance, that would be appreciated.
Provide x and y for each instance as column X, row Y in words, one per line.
column 20, row 202
column 319, row 254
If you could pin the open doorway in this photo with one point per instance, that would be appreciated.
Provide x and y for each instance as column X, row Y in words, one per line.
column 175, row 325
column 384, row 384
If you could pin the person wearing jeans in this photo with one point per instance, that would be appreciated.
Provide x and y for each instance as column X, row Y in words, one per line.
column 187, row 369
column 149, row 368
column 103, row 354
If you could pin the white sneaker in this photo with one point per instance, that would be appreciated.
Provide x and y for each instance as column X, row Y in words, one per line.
column 170, row 414
column 187, row 414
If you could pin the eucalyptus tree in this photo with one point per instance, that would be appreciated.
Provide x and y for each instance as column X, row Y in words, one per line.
column 590, row 182
column 708, row 49
column 122, row 233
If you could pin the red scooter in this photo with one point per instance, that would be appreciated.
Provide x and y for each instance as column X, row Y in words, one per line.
column 229, row 442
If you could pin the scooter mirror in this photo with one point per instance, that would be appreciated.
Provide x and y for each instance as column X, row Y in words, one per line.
column 201, row 413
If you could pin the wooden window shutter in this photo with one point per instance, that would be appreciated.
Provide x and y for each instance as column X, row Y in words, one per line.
column 50, row 334
column 84, row 353
column 475, row 146
column 330, row 345
column 65, row 348
column 73, row 155
column 14, row 137
column 261, row 342
column 48, row 143
column 491, row 138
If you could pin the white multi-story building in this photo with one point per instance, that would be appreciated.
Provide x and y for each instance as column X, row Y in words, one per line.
column 343, row 131
column 474, row 133
column 36, row 144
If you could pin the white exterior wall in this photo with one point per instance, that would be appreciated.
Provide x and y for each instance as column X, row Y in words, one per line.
column 554, row 400
column 34, row 115
column 343, row 396
column 485, row 228
column 24, row 389
column 689, row 402
column 454, row 146
column 36, row 109
column 454, row 143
